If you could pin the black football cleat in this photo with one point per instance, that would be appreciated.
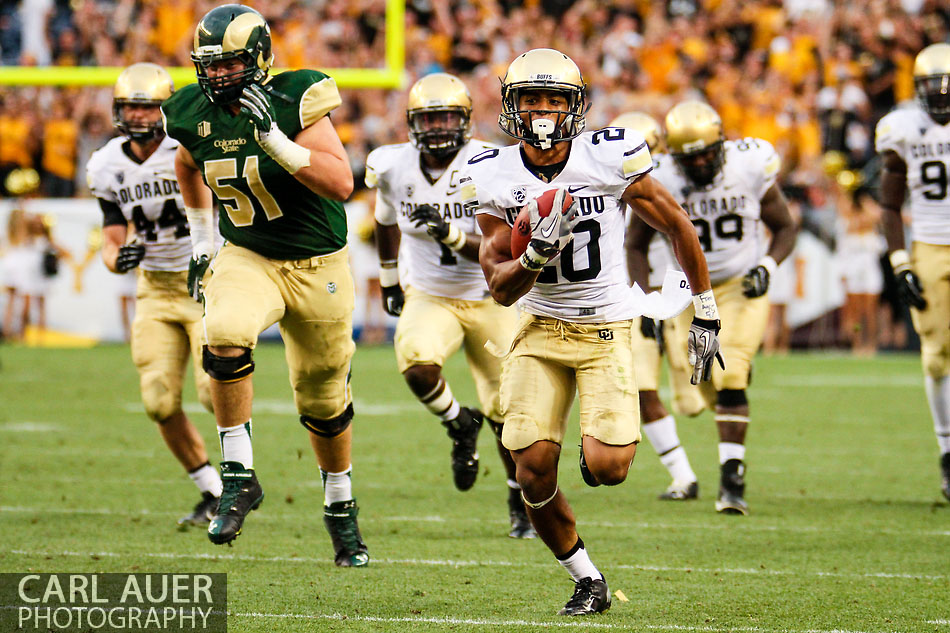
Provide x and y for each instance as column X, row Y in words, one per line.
column 520, row 523
column 591, row 595
column 340, row 520
column 241, row 494
column 202, row 513
column 679, row 491
column 732, row 488
column 945, row 469
column 464, row 433
column 585, row 472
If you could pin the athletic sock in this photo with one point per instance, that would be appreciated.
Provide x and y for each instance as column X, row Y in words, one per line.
column 578, row 563
column 337, row 486
column 441, row 402
column 731, row 450
column 938, row 395
column 236, row 444
column 666, row 442
column 207, row 479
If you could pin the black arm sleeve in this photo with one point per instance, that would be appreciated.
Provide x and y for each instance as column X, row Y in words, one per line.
column 111, row 213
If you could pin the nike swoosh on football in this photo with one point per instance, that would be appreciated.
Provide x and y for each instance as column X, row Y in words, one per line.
column 575, row 189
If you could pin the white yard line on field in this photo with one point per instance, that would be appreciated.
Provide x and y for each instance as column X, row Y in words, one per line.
column 624, row 525
column 432, row 562
column 477, row 622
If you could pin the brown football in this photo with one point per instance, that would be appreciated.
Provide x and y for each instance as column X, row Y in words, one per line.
column 521, row 231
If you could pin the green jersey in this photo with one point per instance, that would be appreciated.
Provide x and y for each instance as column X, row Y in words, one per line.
column 261, row 206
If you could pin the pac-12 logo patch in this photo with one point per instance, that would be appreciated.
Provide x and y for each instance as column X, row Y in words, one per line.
column 519, row 195
column 409, row 191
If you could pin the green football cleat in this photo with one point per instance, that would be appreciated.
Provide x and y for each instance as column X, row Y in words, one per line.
column 340, row 519
column 241, row 494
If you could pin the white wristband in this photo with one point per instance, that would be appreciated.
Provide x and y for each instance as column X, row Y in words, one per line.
column 769, row 264
column 285, row 152
column 388, row 273
column 456, row 238
column 705, row 306
column 532, row 260
column 201, row 224
column 900, row 260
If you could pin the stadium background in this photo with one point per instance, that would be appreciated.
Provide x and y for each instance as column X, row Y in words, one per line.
column 812, row 77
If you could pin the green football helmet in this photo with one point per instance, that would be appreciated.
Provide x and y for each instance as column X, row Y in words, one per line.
column 227, row 32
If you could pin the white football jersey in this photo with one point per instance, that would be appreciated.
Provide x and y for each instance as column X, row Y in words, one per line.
column 924, row 145
column 395, row 171
column 588, row 282
column 148, row 195
column 727, row 213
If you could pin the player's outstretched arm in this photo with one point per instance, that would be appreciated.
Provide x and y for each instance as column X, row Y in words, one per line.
column 507, row 279
column 656, row 206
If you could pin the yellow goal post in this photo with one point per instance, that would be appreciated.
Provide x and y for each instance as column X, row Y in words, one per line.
column 391, row 76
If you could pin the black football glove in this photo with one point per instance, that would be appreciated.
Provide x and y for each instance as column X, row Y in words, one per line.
column 393, row 299
column 436, row 226
column 702, row 347
column 130, row 256
column 756, row 282
column 256, row 104
column 197, row 268
column 909, row 288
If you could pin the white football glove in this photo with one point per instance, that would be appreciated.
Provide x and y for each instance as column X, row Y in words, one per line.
column 551, row 234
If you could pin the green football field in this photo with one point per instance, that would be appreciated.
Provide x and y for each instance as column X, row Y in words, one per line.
column 847, row 531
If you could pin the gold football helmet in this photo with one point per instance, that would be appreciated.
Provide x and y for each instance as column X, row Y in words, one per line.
column 695, row 141
column 644, row 124
column 543, row 69
column 227, row 32
column 143, row 84
column 932, row 81
column 439, row 114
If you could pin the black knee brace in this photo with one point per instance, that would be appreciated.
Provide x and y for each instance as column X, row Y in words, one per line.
column 732, row 398
column 331, row 427
column 227, row 368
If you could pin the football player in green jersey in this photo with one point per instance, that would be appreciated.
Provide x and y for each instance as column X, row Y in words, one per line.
column 266, row 149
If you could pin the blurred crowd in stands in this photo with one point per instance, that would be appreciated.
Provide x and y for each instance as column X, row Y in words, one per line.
column 811, row 76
